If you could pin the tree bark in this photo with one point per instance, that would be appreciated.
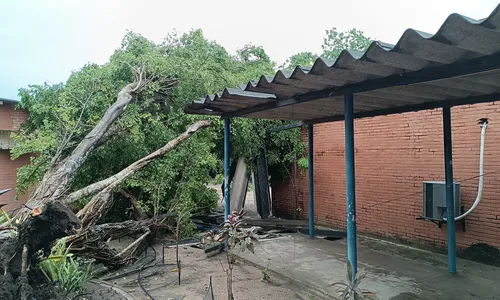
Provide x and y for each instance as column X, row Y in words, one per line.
column 98, row 204
column 66, row 169
column 92, row 243
column 137, row 213
column 125, row 173
column 57, row 179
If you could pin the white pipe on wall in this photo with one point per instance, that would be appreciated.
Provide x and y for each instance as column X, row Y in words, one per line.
column 481, row 175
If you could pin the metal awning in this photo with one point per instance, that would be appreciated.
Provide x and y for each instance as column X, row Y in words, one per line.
column 458, row 65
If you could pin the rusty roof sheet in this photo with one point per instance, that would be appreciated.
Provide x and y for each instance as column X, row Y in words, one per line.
column 459, row 39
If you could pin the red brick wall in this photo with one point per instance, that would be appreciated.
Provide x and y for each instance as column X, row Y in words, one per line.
column 11, row 120
column 8, row 175
column 393, row 155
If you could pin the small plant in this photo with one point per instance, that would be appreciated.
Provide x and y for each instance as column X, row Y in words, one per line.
column 62, row 268
column 303, row 163
column 5, row 219
column 266, row 276
column 236, row 239
column 351, row 290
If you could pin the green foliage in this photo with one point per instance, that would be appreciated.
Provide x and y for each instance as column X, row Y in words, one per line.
column 335, row 41
column 303, row 163
column 303, row 59
column 266, row 272
column 6, row 220
column 61, row 268
column 282, row 149
column 218, row 180
column 237, row 239
column 157, row 116
column 333, row 44
column 64, row 113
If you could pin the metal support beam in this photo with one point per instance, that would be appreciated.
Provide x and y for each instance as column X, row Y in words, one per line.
column 450, row 201
column 350, row 183
column 410, row 108
column 285, row 127
column 310, row 156
column 227, row 134
column 460, row 68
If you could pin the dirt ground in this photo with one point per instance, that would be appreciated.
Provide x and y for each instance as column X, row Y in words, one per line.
column 160, row 281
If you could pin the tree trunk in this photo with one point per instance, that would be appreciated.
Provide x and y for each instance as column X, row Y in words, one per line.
column 57, row 179
column 137, row 213
column 93, row 242
column 100, row 202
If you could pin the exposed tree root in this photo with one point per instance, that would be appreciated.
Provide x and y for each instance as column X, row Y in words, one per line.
column 94, row 242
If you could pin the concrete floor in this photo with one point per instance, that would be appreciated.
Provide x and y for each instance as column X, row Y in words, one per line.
column 393, row 272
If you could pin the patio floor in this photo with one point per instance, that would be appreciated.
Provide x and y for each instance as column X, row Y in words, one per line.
column 393, row 272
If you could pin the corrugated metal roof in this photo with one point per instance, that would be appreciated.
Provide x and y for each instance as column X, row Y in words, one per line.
column 461, row 44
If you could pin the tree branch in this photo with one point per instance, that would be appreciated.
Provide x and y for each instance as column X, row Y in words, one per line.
column 125, row 173
column 69, row 135
column 97, row 204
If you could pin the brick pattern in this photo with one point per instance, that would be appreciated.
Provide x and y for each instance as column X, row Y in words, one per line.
column 393, row 156
column 8, row 176
column 11, row 120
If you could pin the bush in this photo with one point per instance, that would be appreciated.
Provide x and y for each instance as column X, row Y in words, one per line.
column 303, row 163
column 218, row 180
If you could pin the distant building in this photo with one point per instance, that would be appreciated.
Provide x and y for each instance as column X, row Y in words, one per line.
column 11, row 120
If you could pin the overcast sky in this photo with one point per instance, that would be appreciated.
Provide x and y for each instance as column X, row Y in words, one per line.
column 43, row 41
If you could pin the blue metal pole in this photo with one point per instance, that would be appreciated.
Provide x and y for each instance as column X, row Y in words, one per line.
column 310, row 157
column 350, row 182
column 450, row 202
column 227, row 132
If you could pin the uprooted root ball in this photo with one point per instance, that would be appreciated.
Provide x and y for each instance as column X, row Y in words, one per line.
column 37, row 233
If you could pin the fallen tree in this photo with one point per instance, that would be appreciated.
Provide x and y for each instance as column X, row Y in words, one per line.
column 57, row 180
column 46, row 216
column 95, row 131
column 18, row 252
column 93, row 242
column 100, row 202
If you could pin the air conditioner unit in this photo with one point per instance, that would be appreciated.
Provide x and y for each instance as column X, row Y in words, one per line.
column 434, row 204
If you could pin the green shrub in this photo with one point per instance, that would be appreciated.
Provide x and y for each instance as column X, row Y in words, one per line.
column 6, row 220
column 62, row 268
column 219, row 179
column 303, row 163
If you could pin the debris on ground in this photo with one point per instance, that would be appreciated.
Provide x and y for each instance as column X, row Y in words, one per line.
column 160, row 280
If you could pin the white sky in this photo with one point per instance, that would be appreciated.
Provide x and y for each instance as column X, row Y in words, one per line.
column 46, row 40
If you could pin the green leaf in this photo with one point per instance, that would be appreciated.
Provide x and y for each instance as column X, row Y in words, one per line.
column 349, row 271
column 251, row 247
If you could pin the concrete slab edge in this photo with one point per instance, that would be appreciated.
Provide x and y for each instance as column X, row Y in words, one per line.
column 314, row 291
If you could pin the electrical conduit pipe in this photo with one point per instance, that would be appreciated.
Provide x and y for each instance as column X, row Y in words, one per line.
column 481, row 174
